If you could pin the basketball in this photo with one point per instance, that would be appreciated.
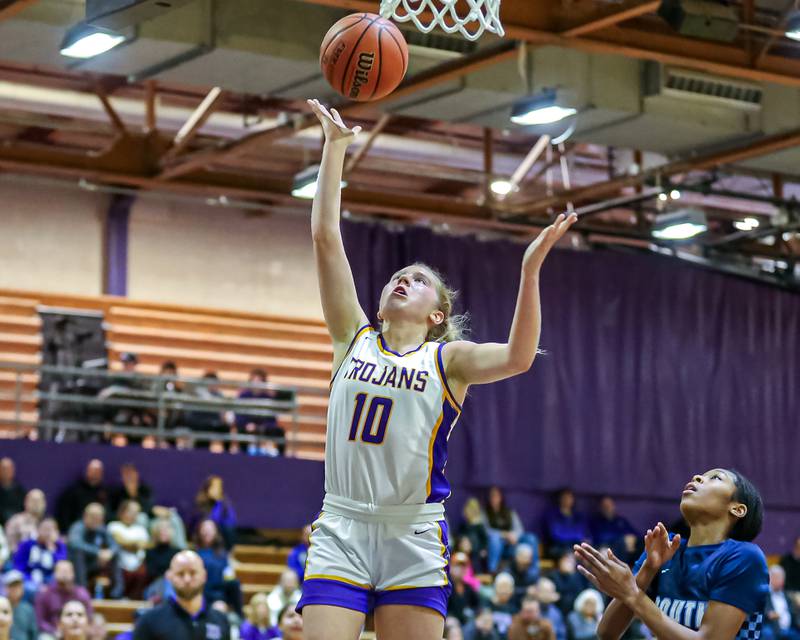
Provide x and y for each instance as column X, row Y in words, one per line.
column 364, row 57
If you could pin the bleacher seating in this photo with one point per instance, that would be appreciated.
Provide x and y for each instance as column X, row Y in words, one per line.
column 295, row 352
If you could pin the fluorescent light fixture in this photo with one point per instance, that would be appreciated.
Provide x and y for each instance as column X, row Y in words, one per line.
column 679, row 225
column 305, row 183
column 84, row 41
column 675, row 194
column 753, row 222
column 793, row 27
column 501, row 187
column 663, row 197
column 542, row 108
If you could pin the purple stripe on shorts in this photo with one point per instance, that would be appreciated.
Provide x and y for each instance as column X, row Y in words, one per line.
column 431, row 597
column 335, row 594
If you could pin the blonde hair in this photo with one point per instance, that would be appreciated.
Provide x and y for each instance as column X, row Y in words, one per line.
column 454, row 327
column 250, row 608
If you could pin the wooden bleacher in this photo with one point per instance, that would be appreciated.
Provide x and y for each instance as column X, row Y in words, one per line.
column 295, row 352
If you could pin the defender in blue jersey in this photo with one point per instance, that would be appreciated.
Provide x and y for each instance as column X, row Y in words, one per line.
column 715, row 585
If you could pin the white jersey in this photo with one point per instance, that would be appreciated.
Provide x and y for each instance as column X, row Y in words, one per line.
column 389, row 419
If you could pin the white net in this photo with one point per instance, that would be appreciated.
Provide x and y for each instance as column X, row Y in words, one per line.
column 468, row 17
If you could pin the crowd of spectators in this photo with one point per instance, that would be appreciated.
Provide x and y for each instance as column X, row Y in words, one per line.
column 112, row 541
column 183, row 425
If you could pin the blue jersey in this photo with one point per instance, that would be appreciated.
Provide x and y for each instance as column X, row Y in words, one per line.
column 731, row 572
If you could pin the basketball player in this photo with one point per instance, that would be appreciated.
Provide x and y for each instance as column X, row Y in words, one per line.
column 381, row 539
column 713, row 586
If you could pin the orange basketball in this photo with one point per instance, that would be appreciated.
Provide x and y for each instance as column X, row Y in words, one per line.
column 364, row 57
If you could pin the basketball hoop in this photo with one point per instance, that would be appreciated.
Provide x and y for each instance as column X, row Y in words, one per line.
column 471, row 19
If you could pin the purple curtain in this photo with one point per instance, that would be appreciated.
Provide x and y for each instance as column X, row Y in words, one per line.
column 653, row 370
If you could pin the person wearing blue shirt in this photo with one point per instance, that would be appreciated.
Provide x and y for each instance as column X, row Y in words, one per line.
column 297, row 556
column 607, row 526
column 715, row 585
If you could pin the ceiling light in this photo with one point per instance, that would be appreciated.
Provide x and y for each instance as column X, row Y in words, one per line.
column 675, row 194
column 793, row 27
column 305, row 183
column 84, row 41
column 542, row 108
column 501, row 187
column 753, row 222
column 663, row 197
column 680, row 225
column 748, row 224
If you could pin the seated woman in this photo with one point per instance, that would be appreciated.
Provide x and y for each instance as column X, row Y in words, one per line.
column 290, row 624
column 257, row 626
column 211, row 503
column 506, row 532
column 474, row 528
column 586, row 614
column 133, row 539
column 221, row 583
column 73, row 623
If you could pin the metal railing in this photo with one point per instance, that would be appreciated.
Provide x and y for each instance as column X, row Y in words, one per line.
column 81, row 401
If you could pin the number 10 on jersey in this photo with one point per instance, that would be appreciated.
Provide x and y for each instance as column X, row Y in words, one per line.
column 371, row 433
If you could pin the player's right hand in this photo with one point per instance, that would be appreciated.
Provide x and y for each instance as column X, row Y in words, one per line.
column 332, row 124
column 660, row 549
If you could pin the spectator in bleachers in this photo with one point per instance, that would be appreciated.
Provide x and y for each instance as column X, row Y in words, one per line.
column 781, row 617
column 503, row 606
column 131, row 488
column 12, row 494
column 24, row 626
column 505, row 530
column 474, row 528
column 582, row 621
column 257, row 626
column 98, row 628
column 158, row 557
column 290, row 624
column 213, row 421
column 89, row 489
column 266, row 426
column 465, row 546
column 297, row 556
column 791, row 565
column 464, row 599
column 168, row 370
column 24, row 524
column 547, row 595
column 178, row 618
column 482, row 627
column 127, row 416
column 529, row 624
column 211, row 503
column 5, row 551
column 285, row 593
column 95, row 554
column 607, row 527
column 563, row 526
column 73, row 621
column 6, row 618
column 36, row 558
column 524, row 570
column 568, row 582
column 221, row 583
column 52, row 598
column 132, row 539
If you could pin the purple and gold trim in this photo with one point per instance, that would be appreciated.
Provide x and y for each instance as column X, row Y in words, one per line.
column 359, row 333
column 387, row 351
column 440, row 371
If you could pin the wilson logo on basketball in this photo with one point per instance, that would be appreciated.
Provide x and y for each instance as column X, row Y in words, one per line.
column 365, row 63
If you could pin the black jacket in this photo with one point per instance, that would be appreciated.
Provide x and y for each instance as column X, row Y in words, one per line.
column 170, row 621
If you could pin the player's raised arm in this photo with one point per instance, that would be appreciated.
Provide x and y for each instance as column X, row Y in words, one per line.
column 472, row 363
column 343, row 314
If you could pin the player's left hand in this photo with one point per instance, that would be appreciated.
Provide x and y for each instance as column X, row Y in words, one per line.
column 538, row 249
column 606, row 572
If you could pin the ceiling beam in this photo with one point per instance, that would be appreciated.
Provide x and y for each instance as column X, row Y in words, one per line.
column 113, row 116
column 195, row 121
column 633, row 10
column 593, row 192
column 364, row 148
column 788, row 10
column 536, row 27
column 11, row 10
column 150, row 116
column 439, row 74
